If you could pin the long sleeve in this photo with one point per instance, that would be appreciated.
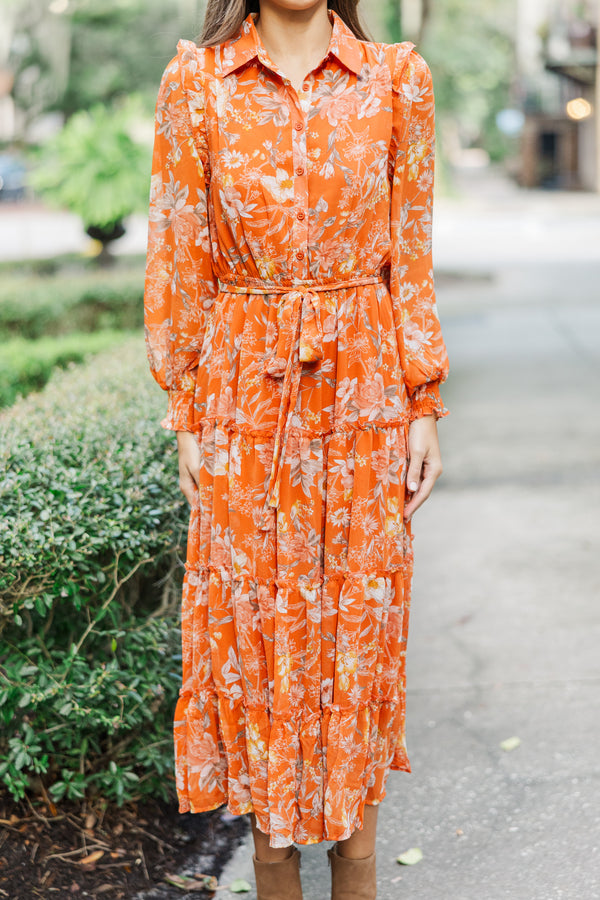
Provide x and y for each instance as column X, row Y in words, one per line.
column 180, row 285
column 422, row 351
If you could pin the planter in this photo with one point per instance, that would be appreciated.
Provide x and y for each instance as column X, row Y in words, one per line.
column 106, row 234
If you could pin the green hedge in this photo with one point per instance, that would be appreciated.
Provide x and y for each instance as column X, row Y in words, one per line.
column 34, row 307
column 91, row 530
column 26, row 366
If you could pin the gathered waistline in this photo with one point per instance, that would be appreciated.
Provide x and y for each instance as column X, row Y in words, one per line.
column 250, row 285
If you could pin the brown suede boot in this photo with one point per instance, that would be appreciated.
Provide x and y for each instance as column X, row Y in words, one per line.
column 352, row 879
column 278, row 880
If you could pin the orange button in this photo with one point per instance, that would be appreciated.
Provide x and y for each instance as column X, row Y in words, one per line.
column 300, row 215
column 298, row 126
column 305, row 86
column 299, row 171
column 299, row 255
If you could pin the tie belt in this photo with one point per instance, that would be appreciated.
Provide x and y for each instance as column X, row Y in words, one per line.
column 299, row 339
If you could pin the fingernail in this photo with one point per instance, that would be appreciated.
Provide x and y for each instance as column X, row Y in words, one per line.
column 413, row 486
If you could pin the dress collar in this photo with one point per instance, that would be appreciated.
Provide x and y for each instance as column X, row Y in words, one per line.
column 246, row 45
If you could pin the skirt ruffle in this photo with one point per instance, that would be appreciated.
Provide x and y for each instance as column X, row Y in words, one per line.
column 297, row 721
column 295, row 618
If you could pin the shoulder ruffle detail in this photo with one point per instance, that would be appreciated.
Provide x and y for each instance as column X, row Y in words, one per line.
column 403, row 52
column 191, row 72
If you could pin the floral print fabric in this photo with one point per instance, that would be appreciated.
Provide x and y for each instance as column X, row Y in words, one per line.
column 290, row 314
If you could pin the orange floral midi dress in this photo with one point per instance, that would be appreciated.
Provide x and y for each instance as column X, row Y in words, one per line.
column 290, row 314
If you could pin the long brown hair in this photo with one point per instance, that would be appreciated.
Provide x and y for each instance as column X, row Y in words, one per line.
column 223, row 18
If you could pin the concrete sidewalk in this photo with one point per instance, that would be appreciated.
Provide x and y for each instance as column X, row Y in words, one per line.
column 505, row 625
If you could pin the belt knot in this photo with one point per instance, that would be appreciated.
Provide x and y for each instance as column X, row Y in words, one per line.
column 298, row 339
column 298, row 319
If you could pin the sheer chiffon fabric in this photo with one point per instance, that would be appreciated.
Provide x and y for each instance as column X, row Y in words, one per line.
column 290, row 314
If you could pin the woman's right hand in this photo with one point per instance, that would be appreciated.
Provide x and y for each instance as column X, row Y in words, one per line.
column 189, row 465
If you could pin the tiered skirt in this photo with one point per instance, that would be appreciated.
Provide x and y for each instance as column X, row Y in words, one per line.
column 295, row 616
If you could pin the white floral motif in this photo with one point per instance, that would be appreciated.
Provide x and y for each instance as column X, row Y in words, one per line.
column 295, row 602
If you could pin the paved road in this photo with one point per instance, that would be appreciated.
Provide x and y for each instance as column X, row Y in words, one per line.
column 505, row 625
column 492, row 224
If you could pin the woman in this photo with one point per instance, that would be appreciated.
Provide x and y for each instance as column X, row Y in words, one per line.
column 290, row 314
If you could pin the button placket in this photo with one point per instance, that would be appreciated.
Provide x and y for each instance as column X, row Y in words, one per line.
column 299, row 229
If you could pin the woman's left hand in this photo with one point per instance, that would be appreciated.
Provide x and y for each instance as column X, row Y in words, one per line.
column 425, row 463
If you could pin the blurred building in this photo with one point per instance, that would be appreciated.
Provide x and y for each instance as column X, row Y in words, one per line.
column 558, row 64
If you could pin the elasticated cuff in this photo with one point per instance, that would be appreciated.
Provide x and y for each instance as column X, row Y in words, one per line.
column 180, row 411
column 426, row 401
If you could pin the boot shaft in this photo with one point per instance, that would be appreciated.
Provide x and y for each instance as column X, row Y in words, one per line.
column 352, row 879
column 278, row 880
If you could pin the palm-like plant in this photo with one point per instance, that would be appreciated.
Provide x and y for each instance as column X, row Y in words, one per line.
column 95, row 168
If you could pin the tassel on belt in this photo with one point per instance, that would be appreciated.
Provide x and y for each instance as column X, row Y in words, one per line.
column 299, row 339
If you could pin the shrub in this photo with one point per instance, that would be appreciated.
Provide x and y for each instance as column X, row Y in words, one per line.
column 27, row 365
column 94, row 167
column 33, row 307
column 90, row 565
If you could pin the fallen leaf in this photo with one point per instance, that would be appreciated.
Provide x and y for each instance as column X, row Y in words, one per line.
column 210, row 882
column 410, row 857
column 90, row 820
column 240, row 886
column 204, row 883
column 510, row 743
column 118, row 829
column 92, row 858
column 176, row 880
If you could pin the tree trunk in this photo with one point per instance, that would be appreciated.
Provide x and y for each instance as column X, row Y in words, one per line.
column 426, row 10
